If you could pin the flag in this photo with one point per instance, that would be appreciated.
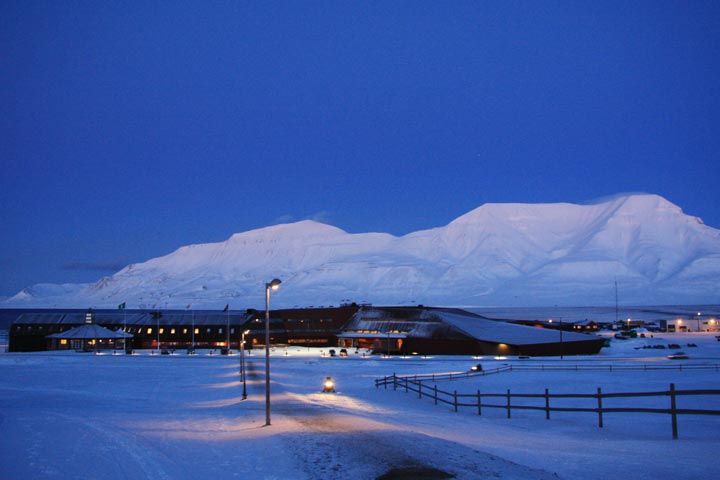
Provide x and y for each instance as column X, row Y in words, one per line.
column 121, row 306
column 227, row 307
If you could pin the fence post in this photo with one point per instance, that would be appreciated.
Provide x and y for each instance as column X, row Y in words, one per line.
column 673, row 411
column 479, row 403
column 406, row 384
column 547, row 405
column 385, row 382
column 611, row 367
column 435, row 388
column 508, row 403
column 419, row 388
column 394, row 381
column 455, row 395
column 600, row 411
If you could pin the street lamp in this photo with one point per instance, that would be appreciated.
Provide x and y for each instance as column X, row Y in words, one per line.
column 273, row 285
column 242, row 362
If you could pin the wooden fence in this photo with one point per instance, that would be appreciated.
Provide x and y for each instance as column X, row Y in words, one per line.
column 478, row 400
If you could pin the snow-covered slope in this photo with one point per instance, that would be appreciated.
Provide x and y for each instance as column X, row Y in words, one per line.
column 497, row 254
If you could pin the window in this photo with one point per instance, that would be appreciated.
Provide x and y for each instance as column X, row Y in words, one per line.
column 172, row 331
column 184, row 330
column 232, row 330
column 63, row 341
column 162, row 330
column 208, row 330
column 219, row 330
column 197, row 331
column 149, row 331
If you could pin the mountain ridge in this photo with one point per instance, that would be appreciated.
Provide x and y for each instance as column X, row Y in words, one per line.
column 510, row 254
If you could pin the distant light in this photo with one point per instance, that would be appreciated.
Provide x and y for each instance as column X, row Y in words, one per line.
column 550, row 321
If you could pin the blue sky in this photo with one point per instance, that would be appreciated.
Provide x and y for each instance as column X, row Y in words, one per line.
column 132, row 128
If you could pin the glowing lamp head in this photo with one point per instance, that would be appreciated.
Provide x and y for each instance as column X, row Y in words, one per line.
column 274, row 284
column 328, row 385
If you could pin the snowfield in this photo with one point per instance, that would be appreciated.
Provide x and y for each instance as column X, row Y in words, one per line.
column 497, row 254
column 71, row 415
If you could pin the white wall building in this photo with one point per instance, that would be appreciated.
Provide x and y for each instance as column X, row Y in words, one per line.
column 694, row 324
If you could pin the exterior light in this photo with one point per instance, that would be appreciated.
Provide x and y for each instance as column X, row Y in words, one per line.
column 242, row 363
column 274, row 284
column 328, row 385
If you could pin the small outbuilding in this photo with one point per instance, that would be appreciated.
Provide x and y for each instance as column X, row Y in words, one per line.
column 88, row 337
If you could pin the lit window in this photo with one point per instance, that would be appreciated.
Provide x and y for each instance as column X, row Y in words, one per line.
column 184, row 330
column 172, row 331
column 197, row 331
column 208, row 330
column 149, row 331
column 162, row 330
column 63, row 341
column 232, row 330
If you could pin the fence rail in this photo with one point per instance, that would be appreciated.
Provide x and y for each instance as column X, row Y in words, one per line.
column 419, row 384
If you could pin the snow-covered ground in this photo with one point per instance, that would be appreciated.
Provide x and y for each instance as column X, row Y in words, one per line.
column 68, row 415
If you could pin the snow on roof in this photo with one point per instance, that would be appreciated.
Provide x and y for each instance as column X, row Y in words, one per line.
column 90, row 331
column 503, row 332
column 120, row 318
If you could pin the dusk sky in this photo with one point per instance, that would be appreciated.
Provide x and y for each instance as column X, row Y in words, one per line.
column 132, row 128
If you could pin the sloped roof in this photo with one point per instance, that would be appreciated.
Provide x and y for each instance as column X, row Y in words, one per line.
column 90, row 331
column 429, row 322
column 118, row 317
column 510, row 333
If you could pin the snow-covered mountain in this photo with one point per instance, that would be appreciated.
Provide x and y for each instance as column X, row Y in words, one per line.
column 497, row 254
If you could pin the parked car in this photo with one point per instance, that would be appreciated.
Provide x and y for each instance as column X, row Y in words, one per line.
column 476, row 368
column 343, row 352
column 678, row 356
column 332, row 352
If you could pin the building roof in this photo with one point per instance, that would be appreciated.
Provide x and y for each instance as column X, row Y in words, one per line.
column 450, row 322
column 510, row 333
column 89, row 331
column 117, row 317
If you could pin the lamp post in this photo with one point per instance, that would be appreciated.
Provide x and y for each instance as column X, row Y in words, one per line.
column 273, row 285
column 562, row 348
column 242, row 362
